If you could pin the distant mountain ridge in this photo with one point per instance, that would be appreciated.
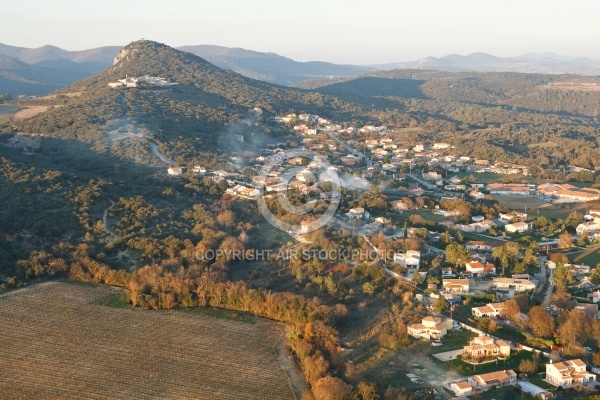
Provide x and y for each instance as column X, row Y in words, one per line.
column 54, row 67
column 545, row 63
column 272, row 67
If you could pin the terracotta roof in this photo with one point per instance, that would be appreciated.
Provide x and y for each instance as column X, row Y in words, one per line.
column 463, row 385
column 484, row 309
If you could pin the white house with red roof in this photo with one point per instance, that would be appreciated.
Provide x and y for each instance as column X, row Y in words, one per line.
column 477, row 268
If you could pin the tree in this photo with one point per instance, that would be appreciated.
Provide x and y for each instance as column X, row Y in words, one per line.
column 487, row 325
column 529, row 367
column 457, row 254
column 595, row 275
column 330, row 388
column 416, row 278
column 573, row 332
column 565, row 240
column 440, row 305
column 541, row 322
column 365, row 391
column 559, row 258
column 512, row 308
column 506, row 254
column 368, row 288
column 563, row 276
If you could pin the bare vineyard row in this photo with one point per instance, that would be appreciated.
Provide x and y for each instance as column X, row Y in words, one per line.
column 56, row 343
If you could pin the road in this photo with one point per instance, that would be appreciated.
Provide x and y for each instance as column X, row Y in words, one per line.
column 543, row 277
column 427, row 185
column 351, row 150
column 158, row 154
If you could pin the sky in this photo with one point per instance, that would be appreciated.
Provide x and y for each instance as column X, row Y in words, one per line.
column 340, row 31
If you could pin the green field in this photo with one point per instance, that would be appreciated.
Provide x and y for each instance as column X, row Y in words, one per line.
column 521, row 202
column 484, row 177
column 589, row 257
column 564, row 210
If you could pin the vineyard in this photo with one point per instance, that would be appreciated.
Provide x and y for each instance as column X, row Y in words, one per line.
column 57, row 341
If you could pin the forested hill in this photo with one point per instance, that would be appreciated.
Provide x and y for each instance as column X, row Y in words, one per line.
column 565, row 94
column 204, row 98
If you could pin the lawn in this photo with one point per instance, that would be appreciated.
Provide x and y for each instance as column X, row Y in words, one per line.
column 521, row 202
column 589, row 257
column 564, row 211
column 497, row 394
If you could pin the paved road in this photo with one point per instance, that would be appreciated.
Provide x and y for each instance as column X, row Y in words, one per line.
column 546, row 273
column 428, row 185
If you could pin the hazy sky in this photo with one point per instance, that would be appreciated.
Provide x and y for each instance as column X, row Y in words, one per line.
column 341, row 31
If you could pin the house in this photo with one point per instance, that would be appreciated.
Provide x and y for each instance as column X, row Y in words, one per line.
column 509, row 189
column 568, row 373
column 198, row 169
column 456, row 285
column 440, row 146
column 432, row 176
column 382, row 221
column 480, row 245
column 493, row 379
column 513, row 216
column 399, row 205
column 517, row 227
column 476, row 226
column 358, row 213
column 491, row 310
column 594, row 296
column 305, row 226
column 447, row 272
column 485, row 346
column 477, row 195
column 476, row 268
column 462, row 388
column 448, row 213
column 249, row 192
column 591, row 223
column 518, row 285
column 589, row 309
column 175, row 171
column 579, row 270
column 569, row 192
column 410, row 259
column 430, row 328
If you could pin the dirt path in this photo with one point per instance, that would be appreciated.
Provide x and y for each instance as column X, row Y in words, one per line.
column 158, row 154
column 289, row 366
column 112, row 234
column 434, row 373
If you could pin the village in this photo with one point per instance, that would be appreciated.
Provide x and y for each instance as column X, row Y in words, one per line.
column 428, row 181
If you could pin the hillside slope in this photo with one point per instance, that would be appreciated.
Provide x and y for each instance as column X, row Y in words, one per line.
column 203, row 99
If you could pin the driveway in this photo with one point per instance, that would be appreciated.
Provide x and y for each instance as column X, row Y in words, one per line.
column 448, row 355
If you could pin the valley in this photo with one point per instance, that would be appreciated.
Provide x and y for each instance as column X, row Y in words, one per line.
column 467, row 205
